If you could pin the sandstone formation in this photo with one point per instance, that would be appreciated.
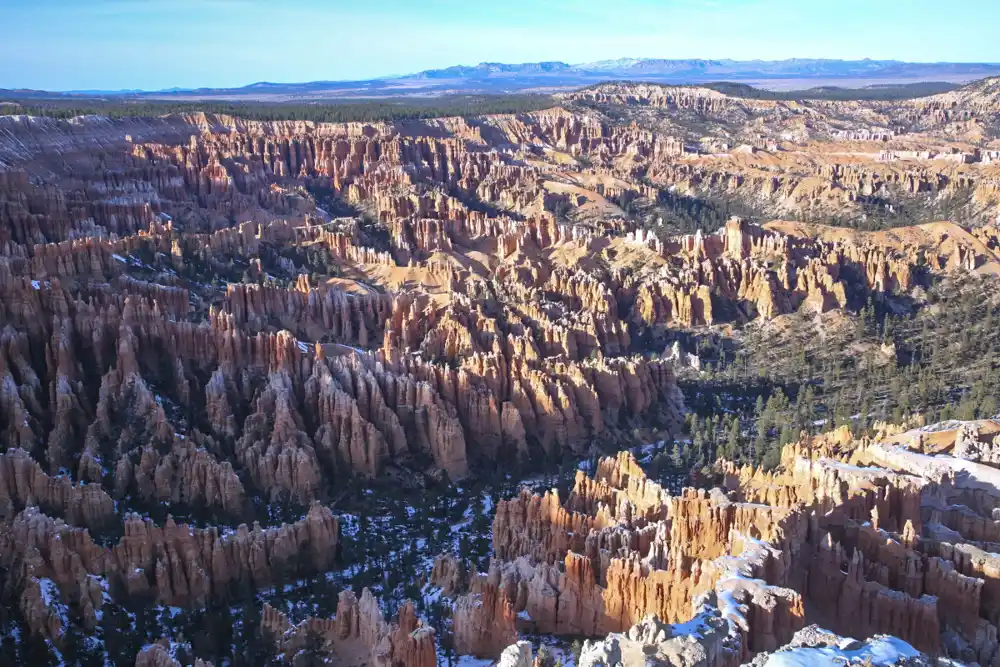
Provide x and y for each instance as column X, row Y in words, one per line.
column 448, row 574
column 650, row 642
column 516, row 655
column 175, row 564
column 484, row 622
column 814, row 644
column 24, row 483
column 463, row 324
column 227, row 320
column 836, row 158
column 357, row 633
column 604, row 570
column 871, row 536
column 157, row 655
column 895, row 543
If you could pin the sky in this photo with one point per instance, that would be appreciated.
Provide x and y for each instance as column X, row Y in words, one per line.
column 157, row 44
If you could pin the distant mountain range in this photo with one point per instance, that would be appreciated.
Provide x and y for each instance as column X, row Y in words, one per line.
column 683, row 71
column 552, row 76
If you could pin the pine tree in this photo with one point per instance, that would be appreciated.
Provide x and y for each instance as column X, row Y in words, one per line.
column 733, row 441
column 675, row 457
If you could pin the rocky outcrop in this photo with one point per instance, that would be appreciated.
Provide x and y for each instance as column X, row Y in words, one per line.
column 865, row 607
column 516, row 655
column 816, row 644
column 186, row 475
column 483, row 622
column 192, row 325
column 650, row 642
column 833, row 537
column 538, row 527
column 353, row 319
column 449, row 575
column 174, row 564
column 23, row 483
column 52, row 565
column 451, row 335
column 633, row 551
column 357, row 629
column 182, row 566
column 158, row 655
column 764, row 272
column 324, row 409
column 874, row 570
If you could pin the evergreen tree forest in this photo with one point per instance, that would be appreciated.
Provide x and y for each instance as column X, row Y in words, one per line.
column 370, row 110
column 761, row 389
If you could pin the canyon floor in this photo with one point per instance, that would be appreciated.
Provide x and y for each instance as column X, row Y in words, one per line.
column 659, row 375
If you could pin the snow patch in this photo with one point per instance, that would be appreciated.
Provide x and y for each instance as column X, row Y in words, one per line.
column 879, row 652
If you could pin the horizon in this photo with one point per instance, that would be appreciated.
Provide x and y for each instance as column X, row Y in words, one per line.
column 107, row 45
column 516, row 64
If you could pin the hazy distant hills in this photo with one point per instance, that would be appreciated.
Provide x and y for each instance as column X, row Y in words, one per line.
column 683, row 71
column 795, row 73
column 795, row 68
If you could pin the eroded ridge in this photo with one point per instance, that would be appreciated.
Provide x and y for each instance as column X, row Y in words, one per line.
column 228, row 321
column 891, row 534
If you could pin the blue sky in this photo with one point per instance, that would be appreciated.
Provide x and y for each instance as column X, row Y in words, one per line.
column 155, row 44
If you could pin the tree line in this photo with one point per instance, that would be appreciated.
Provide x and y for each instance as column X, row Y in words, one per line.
column 370, row 110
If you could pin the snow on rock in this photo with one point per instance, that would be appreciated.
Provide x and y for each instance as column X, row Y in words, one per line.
column 815, row 647
column 652, row 642
column 967, row 474
column 50, row 592
column 516, row 655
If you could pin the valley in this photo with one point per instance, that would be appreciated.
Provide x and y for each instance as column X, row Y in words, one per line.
column 416, row 391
